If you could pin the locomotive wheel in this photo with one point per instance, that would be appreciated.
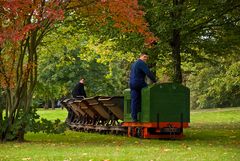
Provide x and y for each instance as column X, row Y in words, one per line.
column 139, row 132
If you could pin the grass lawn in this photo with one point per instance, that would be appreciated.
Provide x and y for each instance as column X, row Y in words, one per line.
column 214, row 136
column 50, row 114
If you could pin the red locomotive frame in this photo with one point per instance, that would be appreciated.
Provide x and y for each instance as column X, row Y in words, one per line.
column 164, row 130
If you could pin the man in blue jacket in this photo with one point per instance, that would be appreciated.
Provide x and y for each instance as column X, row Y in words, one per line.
column 139, row 70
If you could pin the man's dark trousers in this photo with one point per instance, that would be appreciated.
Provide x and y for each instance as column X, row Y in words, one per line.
column 136, row 89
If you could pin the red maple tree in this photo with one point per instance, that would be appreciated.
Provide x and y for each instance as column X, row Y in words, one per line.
column 24, row 24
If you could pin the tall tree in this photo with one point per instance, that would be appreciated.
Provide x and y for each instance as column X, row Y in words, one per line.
column 187, row 27
column 25, row 22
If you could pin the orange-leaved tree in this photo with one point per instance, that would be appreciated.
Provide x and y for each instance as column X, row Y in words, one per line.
column 124, row 15
column 24, row 24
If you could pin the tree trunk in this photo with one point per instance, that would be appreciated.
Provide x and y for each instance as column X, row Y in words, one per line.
column 53, row 104
column 18, row 97
column 176, row 57
column 153, row 61
column 18, row 68
column 176, row 41
column 21, row 133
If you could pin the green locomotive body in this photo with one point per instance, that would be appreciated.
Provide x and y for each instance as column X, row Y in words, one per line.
column 164, row 107
column 164, row 102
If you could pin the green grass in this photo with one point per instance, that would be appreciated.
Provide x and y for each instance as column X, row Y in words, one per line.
column 50, row 114
column 214, row 136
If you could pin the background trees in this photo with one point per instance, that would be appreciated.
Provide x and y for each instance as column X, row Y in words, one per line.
column 187, row 29
column 197, row 38
column 69, row 56
column 215, row 85
column 207, row 35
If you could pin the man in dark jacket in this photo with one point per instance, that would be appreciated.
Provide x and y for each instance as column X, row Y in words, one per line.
column 139, row 70
column 78, row 90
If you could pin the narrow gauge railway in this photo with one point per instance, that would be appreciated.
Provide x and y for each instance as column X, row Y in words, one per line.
column 165, row 113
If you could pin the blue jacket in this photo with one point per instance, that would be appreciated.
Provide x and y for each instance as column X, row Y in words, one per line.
column 139, row 70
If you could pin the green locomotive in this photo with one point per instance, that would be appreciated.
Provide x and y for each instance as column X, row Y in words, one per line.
column 165, row 111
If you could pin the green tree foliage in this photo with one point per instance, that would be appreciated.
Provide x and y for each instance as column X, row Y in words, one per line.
column 65, row 56
column 209, row 26
column 216, row 84
column 208, row 34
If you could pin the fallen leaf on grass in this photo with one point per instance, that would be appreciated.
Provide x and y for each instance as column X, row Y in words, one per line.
column 166, row 149
column 186, row 146
column 117, row 148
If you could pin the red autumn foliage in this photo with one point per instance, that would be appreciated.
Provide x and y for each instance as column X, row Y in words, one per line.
column 18, row 19
column 21, row 16
column 127, row 16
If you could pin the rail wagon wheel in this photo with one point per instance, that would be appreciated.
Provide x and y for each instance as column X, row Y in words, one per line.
column 133, row 131
column 107, row 132
column 111, row 132
column 103, row 132
column 116, row 132
column 123, row 133
column 100, row 131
